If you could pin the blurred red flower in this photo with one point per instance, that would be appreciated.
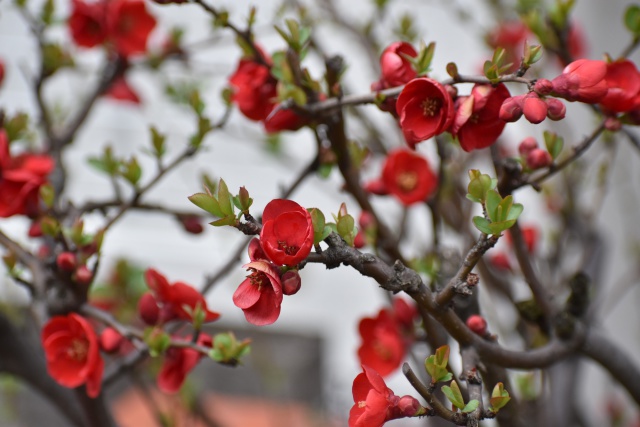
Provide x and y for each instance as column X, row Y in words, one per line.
column 408, row 177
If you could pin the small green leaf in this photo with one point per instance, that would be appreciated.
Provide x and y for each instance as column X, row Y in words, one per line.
column 48, row 9
column 131, row 171
column 632, row 19
column 206, row 202
column 157, row 141
column 554, row 143
column 499, row 398
column 227, row 220
column 224, row 198
column 482, row 224
column 47, row 195
column 471, row 406
column 454, row 395
column 452, row 70
column 492, row 203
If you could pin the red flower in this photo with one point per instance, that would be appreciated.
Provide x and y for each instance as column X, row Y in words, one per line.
column 86, row 23
column 287, row 232
column 20, row 180
column 425, row 109
column 260, row 294
column 530, row 236
column 375, row 403
column 283, row 120
column 126, row 24
column 407, row 176
column 175, row 297
column 73, row 353
column 178, row 362
column 382, row 348
column 122, row 91
column 509, row 35
column 254, row 89
column 129, row 25
column 623, row 81
column 477, row 123
column 396, row 68
column 582, row 80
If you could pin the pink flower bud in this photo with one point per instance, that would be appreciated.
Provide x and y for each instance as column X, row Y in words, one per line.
column 556, row 109
column 408, row 406
column 84, row 276
column 612, row 124
column 35, row 230
column 110, row 340
column 511, row 109
column 291, row 282
column 477, row 324
column 191, row 224
column 538, row 158
column 66, row 261
column 148, row 309
column 376, row 187
column 359, row 241
column 543, row 87
column 527, row 145
column 534, row 108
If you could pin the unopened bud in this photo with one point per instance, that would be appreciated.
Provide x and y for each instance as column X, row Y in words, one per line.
column 376, row 187
column 148, row 309
column 556, row 109
column 511, row 109
column 291, row 282
column 527, row 145
column 84, row 276
column 534, row 108
column 477, row 324
column 538, row 158
column 543, row 87
column 612, row 124
column 66, row 261
column 110, row 340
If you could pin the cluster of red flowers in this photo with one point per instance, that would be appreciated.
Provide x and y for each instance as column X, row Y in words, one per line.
column 123, row 25
column 286, row 239
column 20, row 180
column 386, row 337
column 255, row 94
column 375, row 403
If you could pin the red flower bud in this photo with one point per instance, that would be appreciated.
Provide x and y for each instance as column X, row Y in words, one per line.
column 191, row 224
column 376, row 187
column 534, row 108
column 66, row 261
column 477, row 324
column 556, row 109
column 148, row 309
column 527, row 145
column 291, row 282
column 582, row 80
column 408, row 406
column 110, row 340
column 612, row 124
column 396, row 68
column 359, row 241
column 35, row 230
column 543, row 87
column 84, row 276
column 511, row 109
column 538, row 158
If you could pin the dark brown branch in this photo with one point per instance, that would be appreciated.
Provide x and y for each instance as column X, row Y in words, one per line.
column 470, row 361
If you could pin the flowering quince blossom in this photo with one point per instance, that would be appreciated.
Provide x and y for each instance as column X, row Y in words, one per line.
column 386, row 337
column 73, row 353
column 178, row 300
column 287, row 232
column 623, row 81
column 425, row 109
column 20, row 180
column 509, row 35
column 375, row 403
column 408, row 177
column 124, row 24
column 396, row 68
column 178, row 362
column 582, row 80
column 477, row 123
column 254, row 89
column 283, row 119
column 260, row 294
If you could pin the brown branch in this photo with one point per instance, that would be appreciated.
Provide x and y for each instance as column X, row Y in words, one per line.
column 470, row 361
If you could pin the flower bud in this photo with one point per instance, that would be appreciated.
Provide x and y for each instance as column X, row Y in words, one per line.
column 612, row 124
column 477, row 324
column 66, row 261
column 191, row 224
column 409, row 406
column 359, row 241
column 527, row 145
column 110, row 340
column 376, row 187
column 543, row 87
column 534, row 108
column 291, row 282
column 511, row 109
column 1, row 72
column 501, row 262
column 556, row 109
column 84, row 276
column 35, row 230
column 538, row 158
column 148, row 309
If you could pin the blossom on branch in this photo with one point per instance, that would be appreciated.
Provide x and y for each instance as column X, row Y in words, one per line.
column 254, row 89
column 582, row 80
column 20, row 180
column 623, row 81
column 178, row 362
column 375, row 403
column 395, row 67
column 477, row 123
column 287, row 232
column 73, row 353
column 408, row 176
column 260, row 294
column 425, row 109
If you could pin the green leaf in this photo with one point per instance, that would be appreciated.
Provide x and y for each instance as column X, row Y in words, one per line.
column 453, row 394
column 553, row 143
column 452, row 70
column 224, row 198
column 48, row 9
column 632, row 19
column 207, row 203
column 436, row 365
column 492, row 203
column 47, row 195
column 471, row 406
column 157, row 141
column 131, row 171
column 346, row 228
column 227, row 220
column 499, row 398
column 482, row 224
column 318, row 221
column 244, row 199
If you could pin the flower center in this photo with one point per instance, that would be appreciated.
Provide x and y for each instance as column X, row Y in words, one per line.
column 382, row 350
column 362, row 404
column 431, row 106
column 407, row 181
column 78, row 350
column 289, row 250
column 258, row 278
column 474, row 118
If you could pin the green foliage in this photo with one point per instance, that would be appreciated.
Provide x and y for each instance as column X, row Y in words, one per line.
column 157, row 341
column 228, row 350
column 436, row 365
column 532, row 54
column 320, row 229
column 157, row 142
column 502, row 214
column 298, row 36
column 106, row 163
column 220, row 204
column 554, row 143
column 345, row 225
column 499, row 398
column 495, row 67
column 479, row 186
column 422, row 63
column 455, row 397
column 632, row 19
